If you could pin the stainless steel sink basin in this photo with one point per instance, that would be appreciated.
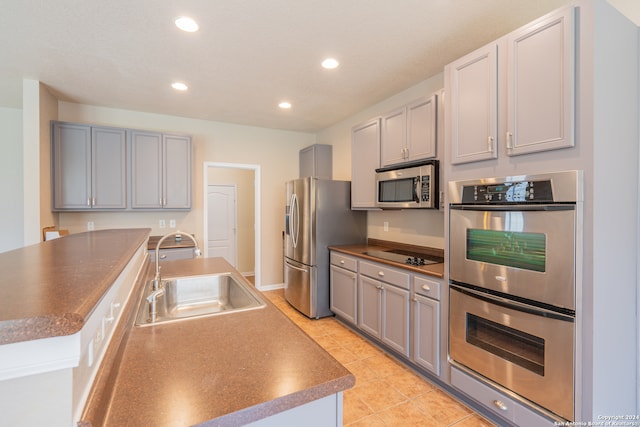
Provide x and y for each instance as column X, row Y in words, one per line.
column 196, row 296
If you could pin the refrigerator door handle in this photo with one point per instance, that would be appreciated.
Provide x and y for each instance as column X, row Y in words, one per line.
column 296, row 268
column 295, row 220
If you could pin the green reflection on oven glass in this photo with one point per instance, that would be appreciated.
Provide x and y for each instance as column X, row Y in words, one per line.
column 508, row 248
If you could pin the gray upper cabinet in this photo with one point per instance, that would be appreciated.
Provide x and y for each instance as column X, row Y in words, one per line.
column 88, row 167
column 409, row 133
column 316, row 161
column 473, row 105
column 540, row 91
column 516, row 93
column 160, row 171
column 365, row 159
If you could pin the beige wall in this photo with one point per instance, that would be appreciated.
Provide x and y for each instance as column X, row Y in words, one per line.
column 11, row 216
column 275, row 151
column 419, row 227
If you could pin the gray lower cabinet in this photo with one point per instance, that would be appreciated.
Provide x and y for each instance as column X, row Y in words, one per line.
column 160, row 171
column 383, row 305
column 426, row 323
column 88, row 167
column 399, row 308
column 343, row 287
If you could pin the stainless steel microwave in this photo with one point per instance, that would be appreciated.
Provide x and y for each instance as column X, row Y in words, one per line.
column 410, row 187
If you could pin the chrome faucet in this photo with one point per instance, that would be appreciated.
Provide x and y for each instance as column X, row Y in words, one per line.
column 196, row 251
column 153, row 304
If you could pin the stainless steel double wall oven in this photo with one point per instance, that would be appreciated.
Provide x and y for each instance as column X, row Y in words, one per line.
column 513, row 285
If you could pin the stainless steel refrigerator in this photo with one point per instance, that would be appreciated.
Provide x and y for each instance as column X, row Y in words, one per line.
column 318, row 214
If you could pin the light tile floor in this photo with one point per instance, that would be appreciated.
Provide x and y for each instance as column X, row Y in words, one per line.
column 386, row 393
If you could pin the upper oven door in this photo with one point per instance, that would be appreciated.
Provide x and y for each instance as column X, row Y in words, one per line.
column 525, row 251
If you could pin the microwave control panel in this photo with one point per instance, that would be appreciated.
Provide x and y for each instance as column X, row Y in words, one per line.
column 509, row 192
column 425, row 186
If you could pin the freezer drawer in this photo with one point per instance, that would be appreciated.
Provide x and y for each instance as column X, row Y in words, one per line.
column 300, row 287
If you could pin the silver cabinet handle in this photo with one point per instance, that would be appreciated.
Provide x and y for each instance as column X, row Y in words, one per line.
column 500, row 405
column 426, row 287
column 88, row 201
column 381, row 273
column 509, row 140
column 490, row 143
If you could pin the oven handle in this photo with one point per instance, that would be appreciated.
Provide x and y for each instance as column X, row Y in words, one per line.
column 511, row 208
column 514, row 305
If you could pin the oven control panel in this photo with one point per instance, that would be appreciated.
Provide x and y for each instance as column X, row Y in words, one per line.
column 509, row 192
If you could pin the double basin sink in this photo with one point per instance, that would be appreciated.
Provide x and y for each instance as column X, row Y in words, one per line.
column 197, row 296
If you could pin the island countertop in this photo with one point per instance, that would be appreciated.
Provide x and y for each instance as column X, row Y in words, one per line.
column 222, row 370
column 50, row 289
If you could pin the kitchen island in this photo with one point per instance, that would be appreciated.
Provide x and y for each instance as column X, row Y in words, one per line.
column 222, row 370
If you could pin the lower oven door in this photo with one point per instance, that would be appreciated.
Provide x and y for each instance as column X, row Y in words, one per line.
column 527, row 350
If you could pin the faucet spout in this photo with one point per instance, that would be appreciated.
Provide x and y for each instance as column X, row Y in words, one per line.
column 196, row 251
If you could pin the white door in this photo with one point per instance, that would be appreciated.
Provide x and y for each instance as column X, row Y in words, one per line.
column 221, row 204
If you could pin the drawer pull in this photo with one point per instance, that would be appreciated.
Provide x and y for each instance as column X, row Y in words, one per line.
column 500, row 405
column 342, row 261
column 381, row 273
column 426, row 287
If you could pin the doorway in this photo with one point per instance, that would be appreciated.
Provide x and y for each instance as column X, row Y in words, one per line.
column 220, row 208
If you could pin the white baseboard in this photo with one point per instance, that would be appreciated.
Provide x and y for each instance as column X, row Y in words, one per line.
column 271, row 287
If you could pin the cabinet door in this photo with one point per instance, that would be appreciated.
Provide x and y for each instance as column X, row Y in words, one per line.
column 71, row 166
column 365, row 159
column 369, row 305
column 473, row 105
column 393, row 137
column 541, row 76
column 109, row 183
column 426, row 333
column 343, row 293
column 146, row 170
column 422, row 129
column 395, row 318
column 177, row 172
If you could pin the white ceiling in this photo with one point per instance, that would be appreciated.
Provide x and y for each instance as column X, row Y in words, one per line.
column 248, row 55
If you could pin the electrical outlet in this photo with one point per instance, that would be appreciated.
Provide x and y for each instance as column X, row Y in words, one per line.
column 163, row 224
column 90, row 225
column 385, row 226
column 172, row 223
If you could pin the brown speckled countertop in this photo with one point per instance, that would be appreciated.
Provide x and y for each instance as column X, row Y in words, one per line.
column 49, row 289
column 436, row 270
column 169, row 243
column 224, row 370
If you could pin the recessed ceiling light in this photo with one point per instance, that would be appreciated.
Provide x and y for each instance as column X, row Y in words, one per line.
column 284, row 105
column 187, row 24
column 330, row 63
column 179, row 86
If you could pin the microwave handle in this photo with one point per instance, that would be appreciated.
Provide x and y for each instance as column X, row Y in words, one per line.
column 416, row 189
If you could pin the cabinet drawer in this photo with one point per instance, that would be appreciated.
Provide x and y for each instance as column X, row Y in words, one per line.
column 497, row 402
column 385, row 274
column 344, row 261
column 426, row 287
column 172, row 254
column 491, row 399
